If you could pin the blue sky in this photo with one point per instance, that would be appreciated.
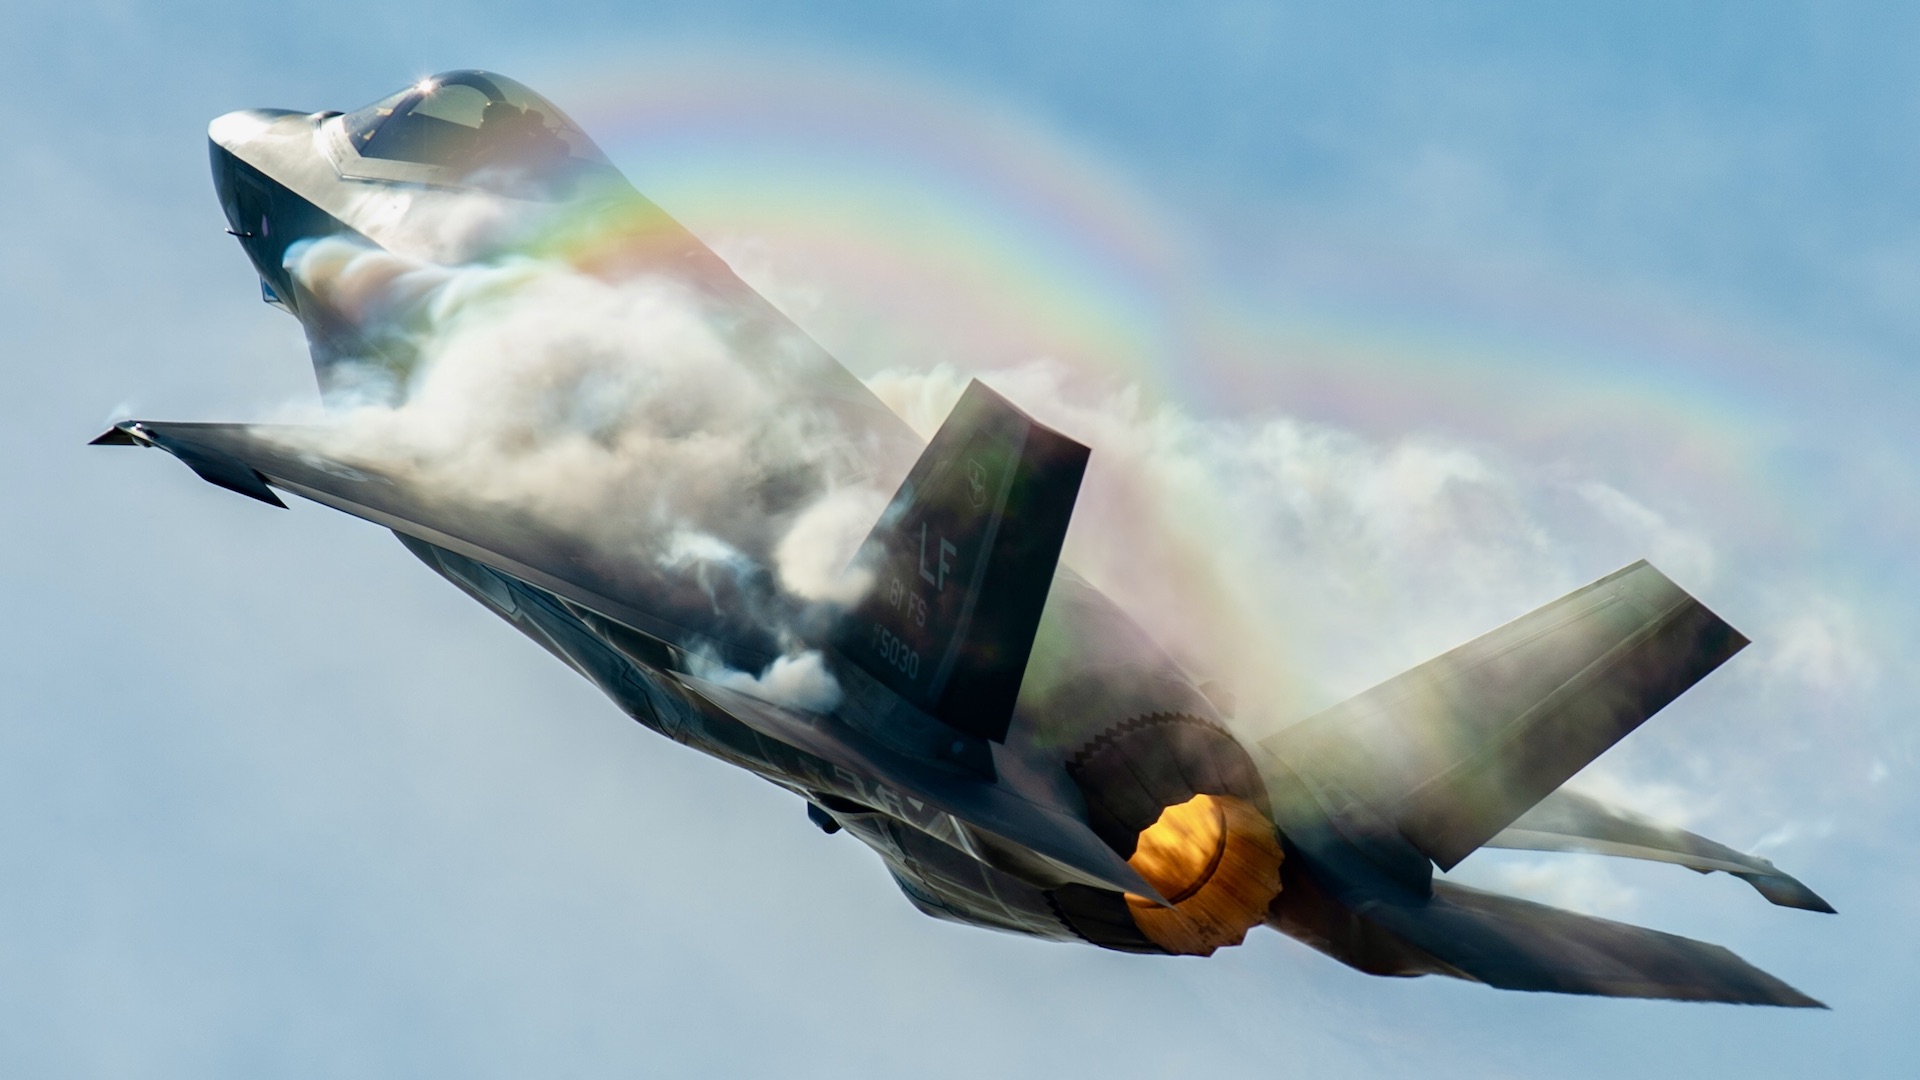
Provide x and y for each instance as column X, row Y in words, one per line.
column 278, row 801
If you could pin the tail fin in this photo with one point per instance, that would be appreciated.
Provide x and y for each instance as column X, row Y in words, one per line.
column 1453, row 751
column 961, row 562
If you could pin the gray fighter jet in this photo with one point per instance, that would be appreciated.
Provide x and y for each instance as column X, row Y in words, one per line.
column 1021, row 754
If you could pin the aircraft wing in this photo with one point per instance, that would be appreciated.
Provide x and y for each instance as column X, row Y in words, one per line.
column 254, row 459
column 1569, row 821
column 1451, row 752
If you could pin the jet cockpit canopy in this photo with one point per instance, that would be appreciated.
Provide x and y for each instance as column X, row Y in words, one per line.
column 472, row 128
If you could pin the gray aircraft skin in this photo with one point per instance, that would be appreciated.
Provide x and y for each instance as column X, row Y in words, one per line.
column 1006, row 738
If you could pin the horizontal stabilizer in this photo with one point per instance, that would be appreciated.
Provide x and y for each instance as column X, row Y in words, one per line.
column 1569, row 821
column 1451, row 752
column 1339, row 900
column 961, row 563
column 1515, row 944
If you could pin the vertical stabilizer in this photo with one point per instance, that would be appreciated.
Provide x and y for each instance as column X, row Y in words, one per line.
column 1453, row 751
column 961, row 562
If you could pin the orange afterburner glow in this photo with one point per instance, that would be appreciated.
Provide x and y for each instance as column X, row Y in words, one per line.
column 1217, row 859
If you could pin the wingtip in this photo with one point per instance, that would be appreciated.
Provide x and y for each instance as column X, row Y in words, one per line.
column 117, row 435
column 209, row 462
column 1785, row 890
column 1794, row 999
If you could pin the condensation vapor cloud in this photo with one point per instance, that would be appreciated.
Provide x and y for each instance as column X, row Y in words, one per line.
column 623, row 412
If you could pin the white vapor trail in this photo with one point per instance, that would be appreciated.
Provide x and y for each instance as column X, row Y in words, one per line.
column 623, row 412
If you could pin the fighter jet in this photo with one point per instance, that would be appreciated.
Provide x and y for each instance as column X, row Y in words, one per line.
column 1021, row 754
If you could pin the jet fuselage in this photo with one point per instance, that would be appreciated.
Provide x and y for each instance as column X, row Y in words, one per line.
column 1020, row 752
